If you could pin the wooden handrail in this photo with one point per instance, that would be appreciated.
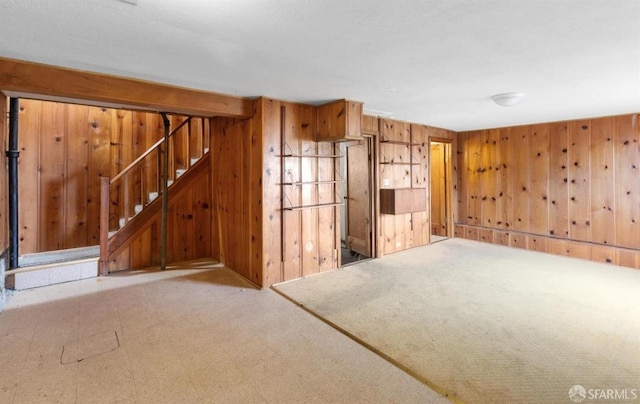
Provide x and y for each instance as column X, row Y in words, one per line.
column 108, row 242
column 149, row 151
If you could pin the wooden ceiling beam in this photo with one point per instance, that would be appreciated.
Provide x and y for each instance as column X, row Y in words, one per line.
column 46, row 80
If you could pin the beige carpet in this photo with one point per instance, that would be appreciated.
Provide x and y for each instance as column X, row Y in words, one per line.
column 482, row 323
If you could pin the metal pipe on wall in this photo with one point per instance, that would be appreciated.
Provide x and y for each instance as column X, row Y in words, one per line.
column 12, row 155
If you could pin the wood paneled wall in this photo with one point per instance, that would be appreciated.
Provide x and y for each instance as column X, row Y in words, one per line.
column 302, row 239
column 403, row 162
column 236, row 226
column 64, row 150
column 569, row 188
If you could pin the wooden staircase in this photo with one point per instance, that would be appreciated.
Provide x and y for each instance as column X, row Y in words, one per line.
column 134, row 196
column 129, row 201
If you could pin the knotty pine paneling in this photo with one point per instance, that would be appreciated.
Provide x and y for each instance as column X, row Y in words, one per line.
column 521, row 191
column 538, row 180
column 568, row 188
column 602, row 168
column 558, row 206
column 420, row 221
column 29, row 176
column 462, row 177
column 579, row 180
column 309, row 170
column 230, row 140
column 53, row 140
column 488, row 196
column 64, row 150
column 627, row 181
column 267, row 118
column 77, row 182
column 504, row 180
column 370, row 125
column 303, row 241
column 403, row 162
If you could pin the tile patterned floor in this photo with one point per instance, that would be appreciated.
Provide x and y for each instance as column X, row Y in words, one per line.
column 194, row 334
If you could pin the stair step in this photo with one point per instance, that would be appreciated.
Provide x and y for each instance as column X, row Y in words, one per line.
column 49, row 257
column 111, row 233
column 206, row 150
column 194, row 160
column 121, row 222
column 169, row 183
column 152, row 196
column 137, row 209
column 51, row 274
column 180, row 171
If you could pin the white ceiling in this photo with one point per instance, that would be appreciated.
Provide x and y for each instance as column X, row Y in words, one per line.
column 433, row 62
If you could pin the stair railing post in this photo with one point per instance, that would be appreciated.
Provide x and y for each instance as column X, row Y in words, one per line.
column 165, row 178
column 104, row 226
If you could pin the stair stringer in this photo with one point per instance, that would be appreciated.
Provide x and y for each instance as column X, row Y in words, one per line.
column 151, row 213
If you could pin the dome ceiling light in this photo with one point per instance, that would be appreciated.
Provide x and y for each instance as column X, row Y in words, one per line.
column 508, row 99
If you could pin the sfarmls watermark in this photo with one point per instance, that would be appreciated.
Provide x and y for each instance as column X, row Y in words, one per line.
column 578, row 394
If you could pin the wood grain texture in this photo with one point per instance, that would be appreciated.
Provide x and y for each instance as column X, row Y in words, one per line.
column 268, row 119
column 28, row 169
column 52, row 165
column 579, row 180
column 34, row 78
column 575, row 180
column 558, row 180
column 188, row 226
column 420, row 149
column 403, row 162
column 65, row 149
column 77, row 182
column 488, row 197
column 370, row 125
column 627, row 181
column 521, row 143
column 602, row 169
column 538, row 180
column 339, row 120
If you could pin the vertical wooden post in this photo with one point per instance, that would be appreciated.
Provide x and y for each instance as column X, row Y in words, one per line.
column 104, row 226
column 126, row 197
column 165, row 177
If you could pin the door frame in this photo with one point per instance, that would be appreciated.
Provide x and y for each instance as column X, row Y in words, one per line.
column 369, row 142
column 448, row 169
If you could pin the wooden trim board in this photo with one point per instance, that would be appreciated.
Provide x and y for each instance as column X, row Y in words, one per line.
column 39, row 79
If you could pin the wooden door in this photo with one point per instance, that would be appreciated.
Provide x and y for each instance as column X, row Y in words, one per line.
column 439, row 189
column 358, row 198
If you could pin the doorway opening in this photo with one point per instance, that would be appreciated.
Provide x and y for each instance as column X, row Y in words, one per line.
column 356, row 219
column 440, row 189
